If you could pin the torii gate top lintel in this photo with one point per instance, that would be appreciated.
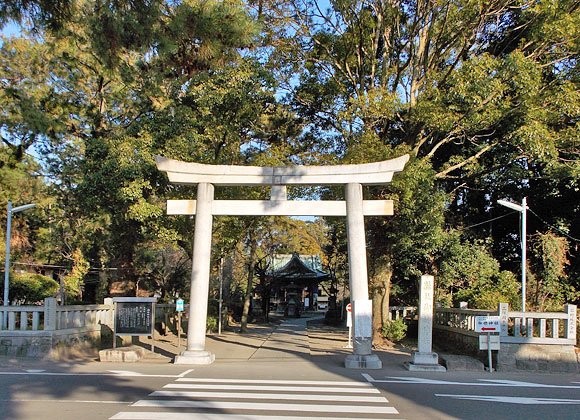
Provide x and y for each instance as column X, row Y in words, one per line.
column 374, row 173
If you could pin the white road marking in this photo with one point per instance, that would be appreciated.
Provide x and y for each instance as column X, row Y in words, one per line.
column 185, row 373
column 507, row 382
column 368, row 377
column 35, row 370
column 273, row 381
column 484, row 382
column 222, row 405
column 124, row 373
column 66, row 401
column 156, row 415
column 263, row 396
column 512, row 400
column 275, row 388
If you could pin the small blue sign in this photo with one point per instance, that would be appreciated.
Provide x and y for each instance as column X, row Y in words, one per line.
column 179, row 305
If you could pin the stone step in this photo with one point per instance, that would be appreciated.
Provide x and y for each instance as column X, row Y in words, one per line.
column 122, row 354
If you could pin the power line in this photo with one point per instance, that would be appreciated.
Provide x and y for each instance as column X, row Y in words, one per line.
column 531, row 211
column 553, row 227
column 487, row 221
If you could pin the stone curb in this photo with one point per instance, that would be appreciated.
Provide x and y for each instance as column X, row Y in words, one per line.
column 122, row 354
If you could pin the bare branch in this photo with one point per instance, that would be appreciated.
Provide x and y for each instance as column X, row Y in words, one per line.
column 444, row 173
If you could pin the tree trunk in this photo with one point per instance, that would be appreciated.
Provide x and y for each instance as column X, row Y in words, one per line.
column 227, row 294
column 377, row 312
column 385, row 304
column 381, row 291
column 247, row 298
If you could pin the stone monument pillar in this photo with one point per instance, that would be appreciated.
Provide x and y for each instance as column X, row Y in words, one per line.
column 195, row 352
column 362, row 357
column 425, row 359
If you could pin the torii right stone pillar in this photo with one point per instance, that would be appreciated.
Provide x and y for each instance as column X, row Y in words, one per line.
column 362, row 357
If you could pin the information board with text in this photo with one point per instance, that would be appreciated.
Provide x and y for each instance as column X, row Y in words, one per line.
column 134, row 316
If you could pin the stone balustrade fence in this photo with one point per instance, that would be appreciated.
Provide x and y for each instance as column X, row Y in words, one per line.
column 51, row 317
column 459, row 320
column 80, row 316
column 534, row 341
column 40, row 331
column 516, row 327
column 401, row 312
column 22, row 318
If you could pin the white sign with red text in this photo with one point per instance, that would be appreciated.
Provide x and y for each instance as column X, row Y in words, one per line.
column 487, row 324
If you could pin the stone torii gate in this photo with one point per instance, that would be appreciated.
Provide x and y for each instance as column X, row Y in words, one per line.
column 353, row 177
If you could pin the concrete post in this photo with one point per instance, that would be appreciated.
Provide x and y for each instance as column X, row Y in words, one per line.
column 571, row 311
column 110, row 314
column 50, row 314
column 358, row 279
column 502, row 311
column 195, row 352
column 425, row 359
column 278, row 193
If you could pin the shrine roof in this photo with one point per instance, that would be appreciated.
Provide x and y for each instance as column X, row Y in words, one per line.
column 290, row 266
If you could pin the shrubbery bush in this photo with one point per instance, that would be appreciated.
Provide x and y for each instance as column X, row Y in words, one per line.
column 28, row 288
column 395, row 331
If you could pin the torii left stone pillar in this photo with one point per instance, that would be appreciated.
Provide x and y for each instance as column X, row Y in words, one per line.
column 195, row 352
column 353, row 177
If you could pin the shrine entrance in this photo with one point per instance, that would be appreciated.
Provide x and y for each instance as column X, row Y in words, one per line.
column 353, row 177
column 294, row 281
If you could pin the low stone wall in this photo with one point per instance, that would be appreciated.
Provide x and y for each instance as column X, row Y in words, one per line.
column 50, row 344
column 538, row 358
column 37, row 345
column 555, row 358
column 466, row 342
column 529, row 341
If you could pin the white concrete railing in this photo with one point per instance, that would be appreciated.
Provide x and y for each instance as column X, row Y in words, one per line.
column 22, row 318
column 455, row 319
column 397, row 312
column 51, row 317
column 538, row 328
column 516, row 327
column 80, row 316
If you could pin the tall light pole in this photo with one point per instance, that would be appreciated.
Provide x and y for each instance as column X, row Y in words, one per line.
column 7, row 260
column 522, row 209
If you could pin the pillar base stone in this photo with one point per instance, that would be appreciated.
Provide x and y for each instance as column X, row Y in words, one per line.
column 194, row 357
column 425, row 362
column 363, row 361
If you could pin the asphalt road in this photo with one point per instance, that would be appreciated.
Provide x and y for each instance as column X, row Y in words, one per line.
column 279, row 375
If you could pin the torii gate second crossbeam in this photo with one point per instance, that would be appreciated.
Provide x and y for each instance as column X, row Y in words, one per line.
column 353, row 177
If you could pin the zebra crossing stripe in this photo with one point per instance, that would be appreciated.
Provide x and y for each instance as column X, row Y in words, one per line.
column 156, row 415
column 260, row 396
column 223, row 405
column 273, row 381
column 309, row 389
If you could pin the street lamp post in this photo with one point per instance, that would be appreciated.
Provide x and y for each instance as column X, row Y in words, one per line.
column 522, row 209
column 7, row 260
